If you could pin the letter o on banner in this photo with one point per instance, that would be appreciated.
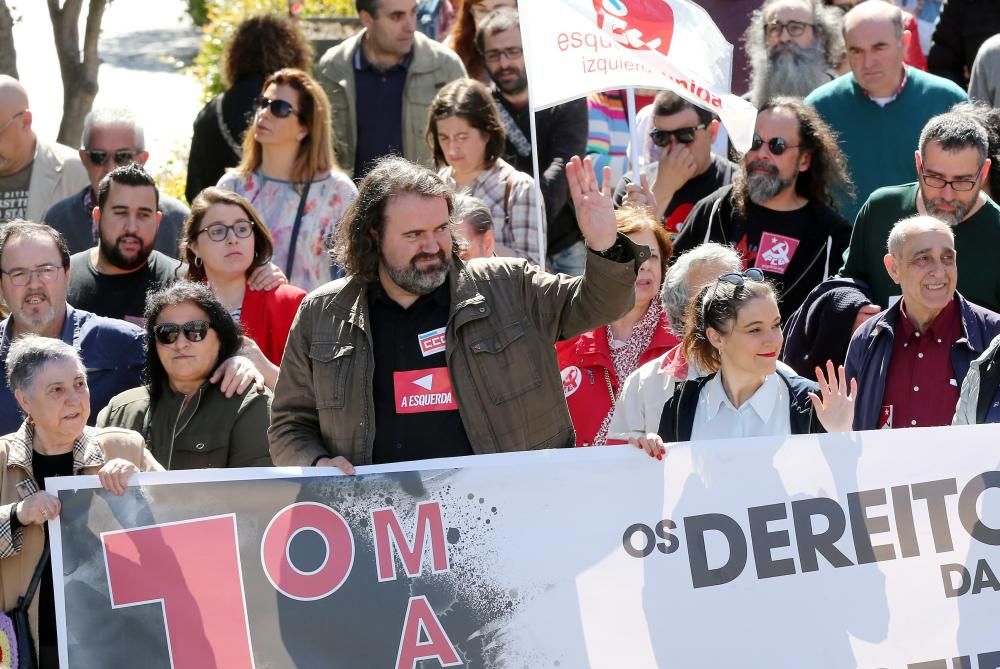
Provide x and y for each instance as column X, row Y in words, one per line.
column 334, row 568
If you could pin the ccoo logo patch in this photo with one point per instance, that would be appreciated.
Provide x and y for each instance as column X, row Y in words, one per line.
column 637, row 24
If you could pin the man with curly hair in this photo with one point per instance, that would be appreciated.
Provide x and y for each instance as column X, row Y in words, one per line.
column 793, row 46
column 778, row 212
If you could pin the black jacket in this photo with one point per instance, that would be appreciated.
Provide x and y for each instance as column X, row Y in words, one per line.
column 561, row 132
column 961, row 29
column 677, row 419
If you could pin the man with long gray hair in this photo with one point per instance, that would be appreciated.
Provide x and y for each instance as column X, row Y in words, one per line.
column 648, row 388
column 793, row 46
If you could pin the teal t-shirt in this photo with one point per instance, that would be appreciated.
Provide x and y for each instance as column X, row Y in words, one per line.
column 878, row 142
column 975, row 243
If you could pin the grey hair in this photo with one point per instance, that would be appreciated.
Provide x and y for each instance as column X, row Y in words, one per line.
column 955, row 131
column 110, row 117
column 914, row 225
column 30, row 353
column 675, row 285
column 471, row 209
column 827, row 21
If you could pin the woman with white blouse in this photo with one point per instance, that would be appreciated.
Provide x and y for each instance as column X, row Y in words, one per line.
column 290, row 176
column 735, row 333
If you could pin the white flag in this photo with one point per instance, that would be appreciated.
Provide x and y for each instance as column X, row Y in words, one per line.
column 576, row 47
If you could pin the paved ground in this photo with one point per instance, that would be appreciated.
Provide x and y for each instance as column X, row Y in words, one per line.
column 141, row 43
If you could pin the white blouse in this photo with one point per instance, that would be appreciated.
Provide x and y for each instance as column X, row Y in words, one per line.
column 765, row 414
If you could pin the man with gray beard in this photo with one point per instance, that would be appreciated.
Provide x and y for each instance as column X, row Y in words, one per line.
column 952, row 167
column 778, row 212
column 793, row 46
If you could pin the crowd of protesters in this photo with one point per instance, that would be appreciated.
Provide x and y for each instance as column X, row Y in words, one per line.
column 370, row 270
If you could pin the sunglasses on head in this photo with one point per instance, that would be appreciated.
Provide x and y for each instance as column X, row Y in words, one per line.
column 776, row 145
column 194, row 331
column 684, row 135
column 121, row 157
column 737, row 279
column 279, row 108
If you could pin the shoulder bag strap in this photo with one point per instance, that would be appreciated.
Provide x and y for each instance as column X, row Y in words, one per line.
column 24, row 601
column 295, row 231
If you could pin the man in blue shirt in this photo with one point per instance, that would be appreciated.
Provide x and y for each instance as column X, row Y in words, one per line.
column 34, row 279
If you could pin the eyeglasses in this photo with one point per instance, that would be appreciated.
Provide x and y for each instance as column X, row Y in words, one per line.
column 11, row 120
column 737, row 279
column 957, row 185
column 776, row 145
column 194, row 331
column 121, row 157
column 794, row 28
column 512, row 53
column 683, row 135
column 22, row 277
column 218, row 232
column 279, row 108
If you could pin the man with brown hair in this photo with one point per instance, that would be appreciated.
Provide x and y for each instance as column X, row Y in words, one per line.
column 417, row 355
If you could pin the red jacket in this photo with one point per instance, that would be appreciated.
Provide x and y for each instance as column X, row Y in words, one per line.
column 267, row 317
column 914, row 56
column 589, row 379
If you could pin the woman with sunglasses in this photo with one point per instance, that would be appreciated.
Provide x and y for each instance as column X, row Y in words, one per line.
column 188, row 422
column 290, row 176
column 594, row 364
column 467, row 136
column 224, row 242
column 735, row 334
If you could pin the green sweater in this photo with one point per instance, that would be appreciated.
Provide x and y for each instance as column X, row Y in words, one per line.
column 878, row 142
column 975, row 242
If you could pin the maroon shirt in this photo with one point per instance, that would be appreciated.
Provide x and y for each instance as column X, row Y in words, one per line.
column 921, row 389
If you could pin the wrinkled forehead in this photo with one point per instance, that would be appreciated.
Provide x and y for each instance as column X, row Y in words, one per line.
column 777, row 122
column 789, row 10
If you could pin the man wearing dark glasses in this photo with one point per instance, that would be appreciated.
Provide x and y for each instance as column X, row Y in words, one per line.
column 34, row 174
column 112, row 137
column 953, row 165
column 686, row 171
column 778, row 213
column 879, row 108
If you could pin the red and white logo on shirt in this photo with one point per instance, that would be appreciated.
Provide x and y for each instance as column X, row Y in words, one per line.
column 572, row 377
column 423, row 390
column 775, row 252
column 885, row 417
column 431, row 342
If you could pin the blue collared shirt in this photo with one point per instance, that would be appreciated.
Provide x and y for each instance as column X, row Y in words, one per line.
column 113, row 351
column 379, row 110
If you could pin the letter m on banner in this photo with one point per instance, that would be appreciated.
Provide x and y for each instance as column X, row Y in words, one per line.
column 388, row 534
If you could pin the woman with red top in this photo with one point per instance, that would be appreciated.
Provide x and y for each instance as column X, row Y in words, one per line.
column 224, row 242
column 594, row 364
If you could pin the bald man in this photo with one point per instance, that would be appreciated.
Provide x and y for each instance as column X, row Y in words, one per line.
column 911, row 359
column 33, row 174
column 880, row 107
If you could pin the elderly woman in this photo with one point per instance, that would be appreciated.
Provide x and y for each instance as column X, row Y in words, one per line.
column 50, row 385
column 187, row 422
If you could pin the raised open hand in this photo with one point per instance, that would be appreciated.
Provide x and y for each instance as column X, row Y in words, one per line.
column 595, row 211
column 836, row 409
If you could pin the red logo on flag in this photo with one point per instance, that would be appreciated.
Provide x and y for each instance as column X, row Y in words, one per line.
column 775, row 252
column 423, row 390
column 637, row 24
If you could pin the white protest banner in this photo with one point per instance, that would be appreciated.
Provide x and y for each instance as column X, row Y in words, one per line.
column 876, row 550
column 576, row 47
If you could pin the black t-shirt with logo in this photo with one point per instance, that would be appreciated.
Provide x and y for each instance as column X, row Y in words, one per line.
column 796, row 249
column 121, row 296
column 416, row 412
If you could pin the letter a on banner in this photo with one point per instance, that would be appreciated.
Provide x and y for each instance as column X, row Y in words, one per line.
column 421, row 623
column 575, row 47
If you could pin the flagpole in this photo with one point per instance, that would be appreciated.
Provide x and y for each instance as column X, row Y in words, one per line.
column 633, row 144
column 542, row 222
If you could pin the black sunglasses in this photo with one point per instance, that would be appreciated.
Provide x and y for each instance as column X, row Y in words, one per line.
column 121, row 157
column 776, row 145
column 684, row 135
column 194, row 331
column 737, row 279
column 279, row 108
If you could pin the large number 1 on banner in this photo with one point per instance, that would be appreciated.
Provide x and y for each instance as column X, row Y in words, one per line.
column 192, row 569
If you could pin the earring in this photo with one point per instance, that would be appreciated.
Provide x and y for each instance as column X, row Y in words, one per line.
column 197, row 261
column 301, row 137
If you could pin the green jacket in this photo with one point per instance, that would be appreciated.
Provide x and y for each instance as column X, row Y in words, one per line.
column 211, row 430
column 432, row 66
column 506, row 316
